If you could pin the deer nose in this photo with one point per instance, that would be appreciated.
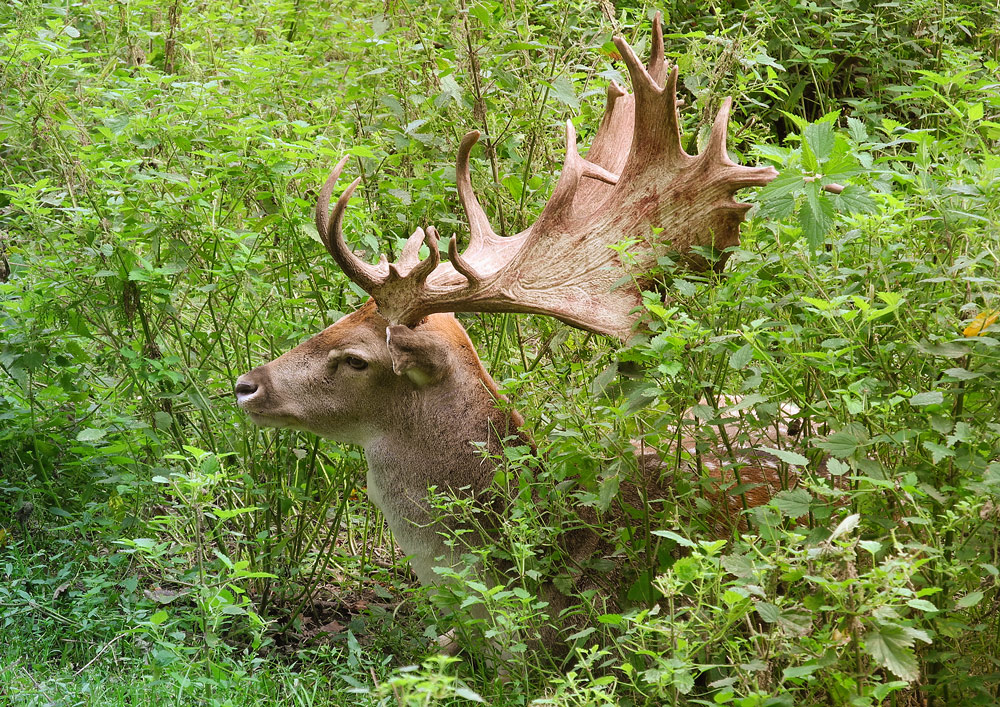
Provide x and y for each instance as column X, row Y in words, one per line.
column 246, row 388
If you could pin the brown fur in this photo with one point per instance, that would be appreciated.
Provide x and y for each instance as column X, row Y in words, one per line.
column 426, row 413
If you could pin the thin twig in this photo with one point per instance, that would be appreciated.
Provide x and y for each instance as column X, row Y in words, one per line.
column 99, row 654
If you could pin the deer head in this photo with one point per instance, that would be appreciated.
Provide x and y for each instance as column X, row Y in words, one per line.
column 401, row 378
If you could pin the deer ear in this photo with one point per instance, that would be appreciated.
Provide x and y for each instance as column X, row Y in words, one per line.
column 421, row 356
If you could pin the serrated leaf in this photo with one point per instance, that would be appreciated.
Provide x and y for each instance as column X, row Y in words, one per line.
column 793, row 503
column 741, row 357
column 938, row 452
column 857, row 130
column 769, row 613
column 788, row 182
column 821, row 139
column 855, row 200
column 815, row 216
column 562, row 90
column 922, row 605
column 840, row 444
column 890, row 646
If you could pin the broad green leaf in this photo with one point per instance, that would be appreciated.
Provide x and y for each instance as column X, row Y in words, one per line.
column 969, row 600
column 741, row 357
column 938, row 452
column 793, row 458
column 857, row 130
column 768, row 612
column 562, row 90
column 855, row 200
column 841, row 444
column 931, row 397
column 793, row 503
column 820, row 137
column 90, row 434
column 815, row 216
column 799, row 671
column 890, row 646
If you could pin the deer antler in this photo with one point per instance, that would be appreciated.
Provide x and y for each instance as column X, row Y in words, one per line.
column 636, row 187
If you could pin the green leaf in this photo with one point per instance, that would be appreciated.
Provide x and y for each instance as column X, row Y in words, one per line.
column 938, row 452
column 815, row 216
column 855, row 200
column 671, row 535
column 857, row 130
column 799, row 671
column 931, row 397
column 922, row 605
column 768, row 612
column 840, row 444
column 226, row 514
column 890, row 646
column 562, row 90
column 741, row 357
column 158, row 618
column 969, row 600
column 820, row 138
column 793, row 503
column 793, row 458
column 90, row 434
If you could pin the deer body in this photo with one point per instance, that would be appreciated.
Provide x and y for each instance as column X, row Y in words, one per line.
column 400, row 377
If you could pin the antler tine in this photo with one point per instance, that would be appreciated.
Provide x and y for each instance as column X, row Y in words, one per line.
column 657, row 66
column 575, row 167
column 409, row 266
column 411, row 251
column 716, row 155
column 366, row 276
column 461, row 265
column 479, row 225
column 656, row 139
column 323, row 203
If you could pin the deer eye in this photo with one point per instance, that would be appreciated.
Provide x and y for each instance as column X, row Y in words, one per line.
column 358, row 364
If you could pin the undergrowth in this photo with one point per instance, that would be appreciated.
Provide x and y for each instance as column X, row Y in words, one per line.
column 159, row 162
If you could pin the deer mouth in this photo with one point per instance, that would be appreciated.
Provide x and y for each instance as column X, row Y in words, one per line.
column 277, row 423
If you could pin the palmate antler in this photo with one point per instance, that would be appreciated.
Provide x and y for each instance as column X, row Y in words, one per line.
column 637, row 186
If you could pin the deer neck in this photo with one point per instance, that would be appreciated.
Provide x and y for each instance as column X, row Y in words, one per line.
column 447, row 438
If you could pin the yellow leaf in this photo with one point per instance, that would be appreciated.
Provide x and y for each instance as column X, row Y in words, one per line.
column 981, row 322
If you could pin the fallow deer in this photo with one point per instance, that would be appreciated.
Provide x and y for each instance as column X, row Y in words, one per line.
column 400, row 376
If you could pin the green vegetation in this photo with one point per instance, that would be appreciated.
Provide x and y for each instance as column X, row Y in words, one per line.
column 158, row 163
